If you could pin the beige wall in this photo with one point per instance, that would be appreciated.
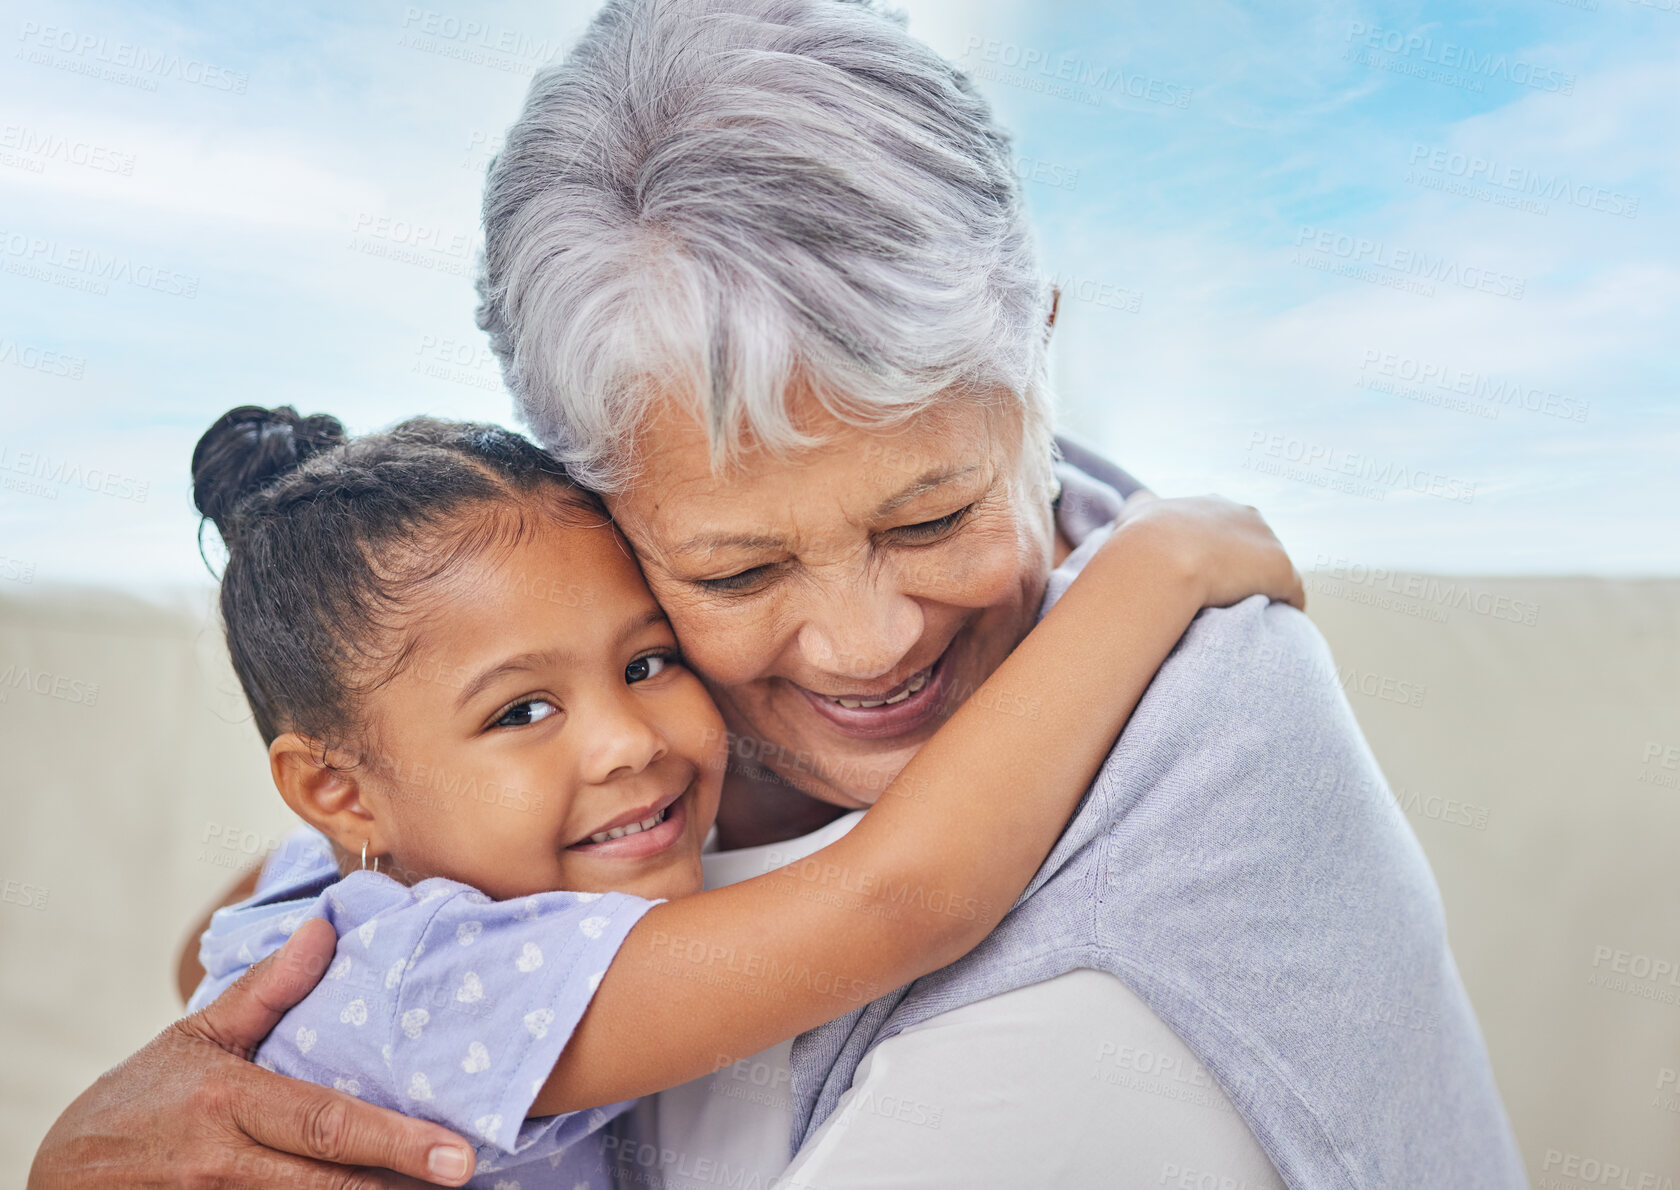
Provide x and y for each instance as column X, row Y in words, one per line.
column 1539, row 763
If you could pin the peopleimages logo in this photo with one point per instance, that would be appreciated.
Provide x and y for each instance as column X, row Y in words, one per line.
column 43, row 146
column 82, row 266
column 1518, row 181
column 1432, row 382
column 1412, row 592
column 1359, row 252
column 469, row 32
column 1379, row 476
column 39, row 359
column 76, row 691
column 122, row 61
column 1066, row 76
column 43, row 475
column 1595, row 1171
column 434, row 248
column 1647, row 977
column 1450, row 55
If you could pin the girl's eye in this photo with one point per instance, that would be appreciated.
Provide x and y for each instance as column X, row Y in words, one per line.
column 523, row 714
column 930, row 530
column 643, row 668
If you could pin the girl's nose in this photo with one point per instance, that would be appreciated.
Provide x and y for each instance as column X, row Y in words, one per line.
column 622, row 740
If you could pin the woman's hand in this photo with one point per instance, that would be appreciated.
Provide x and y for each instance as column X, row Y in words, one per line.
column 1225, row 549
column 191, row 1110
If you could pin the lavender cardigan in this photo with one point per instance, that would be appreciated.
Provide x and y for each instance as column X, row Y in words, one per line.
column 1240, row 863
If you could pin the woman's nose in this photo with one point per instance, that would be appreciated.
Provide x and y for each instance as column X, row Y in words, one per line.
column 860, row 631
column 622, row 740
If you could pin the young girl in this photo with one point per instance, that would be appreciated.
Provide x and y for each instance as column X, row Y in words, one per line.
column 469, row 692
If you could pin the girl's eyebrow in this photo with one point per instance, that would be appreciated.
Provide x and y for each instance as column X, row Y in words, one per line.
column 653, row 615
column 536, row 658
column 515, row 664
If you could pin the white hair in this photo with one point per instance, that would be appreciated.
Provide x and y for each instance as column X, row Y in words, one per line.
column 732, row 201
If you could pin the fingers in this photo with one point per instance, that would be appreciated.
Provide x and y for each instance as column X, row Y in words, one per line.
column 261, row 1170
column 300, row 1118
column 329, row 1126
column 1137, row 502
column 242, row 1016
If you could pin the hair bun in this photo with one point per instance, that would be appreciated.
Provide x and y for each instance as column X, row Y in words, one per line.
column 247, row 448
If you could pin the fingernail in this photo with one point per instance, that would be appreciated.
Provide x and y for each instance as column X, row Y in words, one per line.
column 446, row 1161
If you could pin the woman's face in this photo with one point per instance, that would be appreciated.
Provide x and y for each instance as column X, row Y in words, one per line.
column 840, row 603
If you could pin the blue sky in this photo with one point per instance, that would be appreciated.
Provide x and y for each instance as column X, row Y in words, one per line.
column 1403, row 275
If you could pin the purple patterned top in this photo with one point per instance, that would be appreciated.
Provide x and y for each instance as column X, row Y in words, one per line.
column 440, row 1002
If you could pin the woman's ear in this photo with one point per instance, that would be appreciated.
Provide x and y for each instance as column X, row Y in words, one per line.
column 1055, row 305
column 326, row 796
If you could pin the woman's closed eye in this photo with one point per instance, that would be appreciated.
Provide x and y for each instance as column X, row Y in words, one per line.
column 920, row 533
column 935, row 529
column 744, row 580
column 526, row 712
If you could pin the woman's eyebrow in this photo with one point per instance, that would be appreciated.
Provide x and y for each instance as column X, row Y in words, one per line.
column 926, row 482
column 716, row 541
column 921, row 485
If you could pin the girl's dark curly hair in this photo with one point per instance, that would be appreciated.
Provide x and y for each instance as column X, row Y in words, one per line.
column 332, row 539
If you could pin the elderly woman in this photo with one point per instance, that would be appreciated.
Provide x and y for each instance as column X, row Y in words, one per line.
column 759, row 272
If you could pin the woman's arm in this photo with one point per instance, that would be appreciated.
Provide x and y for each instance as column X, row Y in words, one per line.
column 948, row 848
column 191, row 1109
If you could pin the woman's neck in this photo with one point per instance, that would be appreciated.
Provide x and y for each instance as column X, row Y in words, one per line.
column 759, row 807
column 1061, row 548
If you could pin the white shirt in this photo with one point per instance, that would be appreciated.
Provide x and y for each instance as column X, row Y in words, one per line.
column 1069, row 1082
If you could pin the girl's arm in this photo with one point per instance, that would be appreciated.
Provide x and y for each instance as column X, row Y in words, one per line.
column 949, row 846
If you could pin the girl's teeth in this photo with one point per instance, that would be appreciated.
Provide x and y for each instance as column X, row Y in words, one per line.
column 915, row 684
column 635, row 828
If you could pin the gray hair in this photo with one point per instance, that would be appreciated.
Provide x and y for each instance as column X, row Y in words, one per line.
column 733, row 200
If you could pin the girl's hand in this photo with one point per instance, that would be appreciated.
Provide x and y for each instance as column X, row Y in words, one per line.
column 1224, row 549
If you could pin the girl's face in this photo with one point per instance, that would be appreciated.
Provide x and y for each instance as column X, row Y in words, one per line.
column 542, row 710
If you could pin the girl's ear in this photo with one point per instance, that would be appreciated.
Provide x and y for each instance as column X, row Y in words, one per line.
column 327, row 797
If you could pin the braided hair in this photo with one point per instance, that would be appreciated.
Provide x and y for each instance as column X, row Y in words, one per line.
column 332, row 539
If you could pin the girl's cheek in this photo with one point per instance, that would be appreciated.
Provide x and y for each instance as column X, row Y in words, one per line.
column 704, row 737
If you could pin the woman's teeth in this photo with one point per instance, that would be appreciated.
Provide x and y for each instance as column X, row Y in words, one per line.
column 915, row 684
column 635, row 828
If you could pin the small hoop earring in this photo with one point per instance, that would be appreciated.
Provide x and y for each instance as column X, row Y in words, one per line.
column 364, row 858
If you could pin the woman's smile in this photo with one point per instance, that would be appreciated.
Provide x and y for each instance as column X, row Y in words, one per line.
column 885, row 711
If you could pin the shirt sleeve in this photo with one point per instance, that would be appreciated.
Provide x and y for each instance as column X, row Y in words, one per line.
column 499, row 987
column 445, row 1005
column 303, row 858
column 292, row 879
